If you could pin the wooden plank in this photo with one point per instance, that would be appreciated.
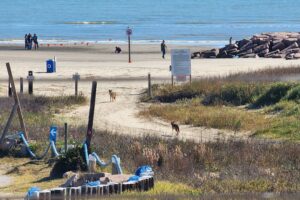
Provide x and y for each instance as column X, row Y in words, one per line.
column 19, row 110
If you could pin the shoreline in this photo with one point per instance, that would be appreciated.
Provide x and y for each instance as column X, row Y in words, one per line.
column 200, row 43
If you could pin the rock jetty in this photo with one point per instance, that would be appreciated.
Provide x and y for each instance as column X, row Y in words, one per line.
column 267, row 45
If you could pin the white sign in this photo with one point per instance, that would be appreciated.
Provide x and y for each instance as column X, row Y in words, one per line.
column 181, row 62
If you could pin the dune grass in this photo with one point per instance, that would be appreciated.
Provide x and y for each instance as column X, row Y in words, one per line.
column 254, row 101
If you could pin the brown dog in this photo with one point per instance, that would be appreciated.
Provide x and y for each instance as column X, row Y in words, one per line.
column 112, row 95
column 175, row 127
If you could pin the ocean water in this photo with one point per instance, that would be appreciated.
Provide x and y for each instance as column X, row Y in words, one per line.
column 203, row 22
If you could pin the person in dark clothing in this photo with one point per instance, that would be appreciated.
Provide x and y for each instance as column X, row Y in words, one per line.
column 163, row 47
column 118, row 49
column 35, row 41
column 29, row 41
column 25, row 40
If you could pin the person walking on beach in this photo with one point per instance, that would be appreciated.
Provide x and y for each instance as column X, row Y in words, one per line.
column 163, row 47
column 35, row 41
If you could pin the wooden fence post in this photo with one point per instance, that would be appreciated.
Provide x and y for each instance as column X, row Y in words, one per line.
column 66, row 137
column 30, row 79
column 149, row 86
column 76, row 78
column 21, row 85
column 89, row 133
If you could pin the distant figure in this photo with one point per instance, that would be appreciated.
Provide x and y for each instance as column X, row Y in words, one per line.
column 35, row 41
column 112, row 95
column 25, row 40
column 175, row 127
column 230, row 40
column 118, row 49
column 163, row 47
column 29, row 41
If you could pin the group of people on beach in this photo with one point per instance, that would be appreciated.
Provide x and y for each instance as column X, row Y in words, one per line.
column 29, row 40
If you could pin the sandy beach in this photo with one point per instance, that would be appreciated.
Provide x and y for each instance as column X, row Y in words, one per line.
column 112, row 71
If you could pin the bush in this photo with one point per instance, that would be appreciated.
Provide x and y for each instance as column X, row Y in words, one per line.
column 273, row 95
column 73, row 160
column 240, row 93
column 293, row 94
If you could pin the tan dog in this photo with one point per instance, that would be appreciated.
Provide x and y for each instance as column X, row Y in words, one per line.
column 112, row 95
column 175, row 127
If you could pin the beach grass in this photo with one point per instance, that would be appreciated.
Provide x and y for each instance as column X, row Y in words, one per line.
column 252, row 101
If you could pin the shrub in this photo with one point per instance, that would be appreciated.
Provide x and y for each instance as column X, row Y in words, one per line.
column 293, row 94
column 73, row 160
column 272, row 95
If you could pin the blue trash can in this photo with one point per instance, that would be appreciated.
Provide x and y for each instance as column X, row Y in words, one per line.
column 51, row 66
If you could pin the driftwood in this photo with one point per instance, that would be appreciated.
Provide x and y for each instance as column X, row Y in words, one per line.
column 268, row 45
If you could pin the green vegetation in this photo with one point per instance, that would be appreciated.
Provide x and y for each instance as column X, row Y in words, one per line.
column 253, row 101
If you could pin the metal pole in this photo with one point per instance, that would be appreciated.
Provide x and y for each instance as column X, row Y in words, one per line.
column 21, row 85
column 89, row 133
column 66, row 137
column 129, row 50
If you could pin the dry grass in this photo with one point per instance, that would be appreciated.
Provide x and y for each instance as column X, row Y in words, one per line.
column 220, row 117
column 26, row 174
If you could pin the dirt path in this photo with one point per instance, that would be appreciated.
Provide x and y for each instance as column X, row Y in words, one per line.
column 122, row 116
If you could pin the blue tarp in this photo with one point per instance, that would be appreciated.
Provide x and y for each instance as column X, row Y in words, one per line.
column 93, row 183
column 32, row 191
column 145, row 170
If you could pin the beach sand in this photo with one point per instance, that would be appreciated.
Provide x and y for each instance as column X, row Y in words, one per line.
column 112, row 71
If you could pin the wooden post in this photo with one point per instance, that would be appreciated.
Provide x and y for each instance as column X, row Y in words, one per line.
column 76, row 87
column 89, row 133
column 76, row 78
column 19, row 110
column 190, row 79
column 66, row 138
column 172, row 78
column 149, row 86
column 30, row 82
column 129, row 50
column 21, row 85
column 9, row 88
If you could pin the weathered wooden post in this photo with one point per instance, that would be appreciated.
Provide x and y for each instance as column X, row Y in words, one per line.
column 89, row 133
column 66, row 137
column 149, row 86
column 9, row 88
column 76, row 78
column 30, row 79
column 21, row 85
column 16, row 106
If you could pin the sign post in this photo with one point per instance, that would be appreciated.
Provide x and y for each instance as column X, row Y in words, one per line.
column 181, row 64
column 129, row 33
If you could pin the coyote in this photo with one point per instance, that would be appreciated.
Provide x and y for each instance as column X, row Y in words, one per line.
column 112, row 95
column 175, row 127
